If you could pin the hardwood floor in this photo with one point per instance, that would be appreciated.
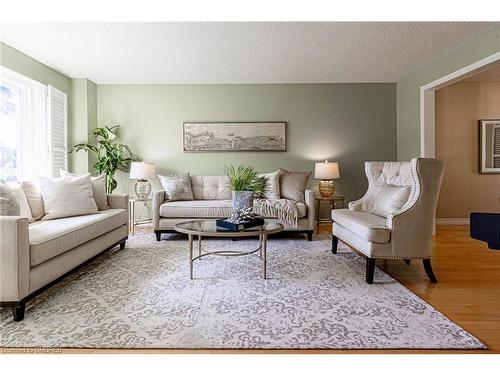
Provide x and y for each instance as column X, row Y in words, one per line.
column 467, row 292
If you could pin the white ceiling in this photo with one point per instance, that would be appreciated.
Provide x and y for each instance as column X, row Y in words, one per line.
column 258, row 52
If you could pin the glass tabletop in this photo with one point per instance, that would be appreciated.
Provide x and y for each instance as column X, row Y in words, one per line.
column 209, row 228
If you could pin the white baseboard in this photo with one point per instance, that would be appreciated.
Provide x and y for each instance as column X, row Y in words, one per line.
column 453, row 221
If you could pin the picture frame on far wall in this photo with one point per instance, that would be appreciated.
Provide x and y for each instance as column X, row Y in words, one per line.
column 489, row 146
column 234, row 136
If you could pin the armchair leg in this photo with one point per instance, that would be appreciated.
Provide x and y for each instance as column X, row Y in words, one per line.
column 335, row 244
column 158, row 236
column 370, row 270
column 309, row 235
column 428, row 270
column 18, row 311
column 122, row 245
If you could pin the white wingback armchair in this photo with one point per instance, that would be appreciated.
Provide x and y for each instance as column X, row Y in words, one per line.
column 395, row 218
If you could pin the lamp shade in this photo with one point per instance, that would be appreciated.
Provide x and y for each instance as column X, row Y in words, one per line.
column 326, row 170
column 142, row 170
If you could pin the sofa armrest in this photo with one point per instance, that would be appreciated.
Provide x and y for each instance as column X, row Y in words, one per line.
column 158, row 199
column 118, row 201
column 14, row 258
column 356, row 205
column 311, row 208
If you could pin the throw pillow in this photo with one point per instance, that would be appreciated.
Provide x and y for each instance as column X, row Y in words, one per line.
column 390, row 199
column 98, row 188
column 24, row 207
column 272, row 185
column 293, row 184
column 177, row 187
column 35, row 199
column 67, row 196
column 8, row 201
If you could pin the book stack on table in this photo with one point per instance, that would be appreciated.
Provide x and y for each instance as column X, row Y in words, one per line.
column 225, row 224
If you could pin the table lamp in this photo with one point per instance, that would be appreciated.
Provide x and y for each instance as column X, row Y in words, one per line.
column 326, row 172
column 142, row 171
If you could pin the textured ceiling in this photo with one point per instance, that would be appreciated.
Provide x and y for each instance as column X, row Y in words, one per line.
column 256, row 52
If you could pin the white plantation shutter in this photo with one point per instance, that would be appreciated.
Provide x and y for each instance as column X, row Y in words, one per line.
column 496, row 146
column 58, row 123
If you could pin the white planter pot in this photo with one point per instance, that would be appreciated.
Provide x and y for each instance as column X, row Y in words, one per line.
column 242, row 199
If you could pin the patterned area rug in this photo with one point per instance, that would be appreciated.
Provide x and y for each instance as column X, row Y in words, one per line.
column 142, row 297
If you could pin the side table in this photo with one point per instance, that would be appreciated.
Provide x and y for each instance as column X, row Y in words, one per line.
column 334, row 202
column 146, row 203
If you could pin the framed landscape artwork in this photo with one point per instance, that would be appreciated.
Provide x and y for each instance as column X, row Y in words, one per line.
column 234, row 136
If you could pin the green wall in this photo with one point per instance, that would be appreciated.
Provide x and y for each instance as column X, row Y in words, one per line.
column 350, row 123
column 83, row 117
column 408, row 89
column 15, row 60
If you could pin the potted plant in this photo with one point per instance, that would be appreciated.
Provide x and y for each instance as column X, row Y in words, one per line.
column 245, row 183
column 111, row 155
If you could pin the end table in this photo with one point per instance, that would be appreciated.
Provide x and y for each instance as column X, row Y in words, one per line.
column 334, row 202
column 146, row 203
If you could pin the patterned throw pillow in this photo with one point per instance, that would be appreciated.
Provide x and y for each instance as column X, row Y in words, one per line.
column 8, row 202
column 177, row 187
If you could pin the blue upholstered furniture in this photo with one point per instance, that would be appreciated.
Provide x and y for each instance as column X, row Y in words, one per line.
column 486, row 227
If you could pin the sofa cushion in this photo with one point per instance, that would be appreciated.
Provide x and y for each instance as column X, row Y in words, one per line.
column 382, row 173
column 209, row 209
column 390, row 199
column 210, row 187
column 50, row 238
column 293, row 184
column 35, row 199
column 272, row 185
column 98, row 188
column 366, row 225
column 9, row 205
column 24, row 207
column 67, row 196
column 177, row 187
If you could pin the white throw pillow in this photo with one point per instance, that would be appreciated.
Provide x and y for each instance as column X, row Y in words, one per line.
column 177, row 187
column 390, row 199
column 24, row 207
column 67, row 196
column 98, row 188
column 272, row 185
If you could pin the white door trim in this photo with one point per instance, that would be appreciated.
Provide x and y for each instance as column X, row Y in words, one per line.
column 427, row 97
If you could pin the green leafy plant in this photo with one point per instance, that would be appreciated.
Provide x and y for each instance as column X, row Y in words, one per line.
column 243, row 178
column 111, row 156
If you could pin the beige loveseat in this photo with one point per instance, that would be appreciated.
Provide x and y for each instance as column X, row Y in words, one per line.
column 35, row 256
column 212, row 200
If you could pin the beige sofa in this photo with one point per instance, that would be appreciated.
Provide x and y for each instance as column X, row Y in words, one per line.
column 35, row 256
column 212, row 199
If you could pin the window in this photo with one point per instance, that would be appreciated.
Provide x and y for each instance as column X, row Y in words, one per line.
column 496, row 147
column 33, row 120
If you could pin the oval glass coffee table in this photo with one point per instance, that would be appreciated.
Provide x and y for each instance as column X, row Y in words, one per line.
column 208, row 228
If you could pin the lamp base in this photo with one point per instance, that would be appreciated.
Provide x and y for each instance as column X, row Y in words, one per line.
column 142, row 189
column 326, row 188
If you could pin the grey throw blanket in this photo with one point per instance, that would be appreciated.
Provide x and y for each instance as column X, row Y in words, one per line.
column 284, row 209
